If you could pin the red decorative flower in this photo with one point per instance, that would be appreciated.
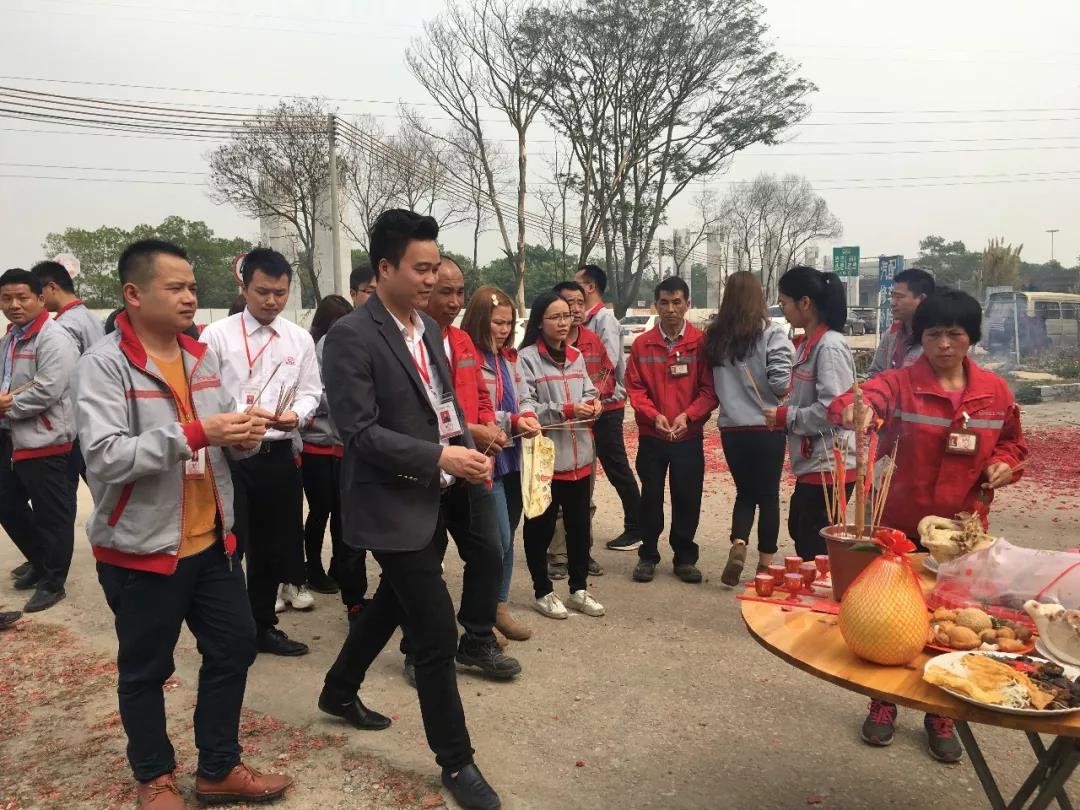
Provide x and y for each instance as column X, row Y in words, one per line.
column 893, row 541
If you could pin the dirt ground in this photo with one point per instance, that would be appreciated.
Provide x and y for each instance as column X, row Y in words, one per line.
column 666, row 702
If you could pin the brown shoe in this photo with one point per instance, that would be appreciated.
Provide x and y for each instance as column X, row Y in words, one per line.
column 510, row 627
column 160, row 794
column 500, row 639
column 243, row 784
column 735, row 562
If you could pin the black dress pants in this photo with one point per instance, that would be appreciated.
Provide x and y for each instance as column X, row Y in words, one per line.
column 573, row 498
column 807, row 516
column 268, row 505
column 38, row 512
column 686, row 462
column 611, row 452
column 322, row 488
column 149, row 609
column 756, row 461
column 468, row 516
column 412, row 594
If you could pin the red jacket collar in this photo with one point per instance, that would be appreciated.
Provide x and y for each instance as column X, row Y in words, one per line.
column 572, row 353
column 132, row 347
column 809, row 341
column 593, row 311
column 76, row 303
column 980, row 382
column 655, row 336
column 34, row 326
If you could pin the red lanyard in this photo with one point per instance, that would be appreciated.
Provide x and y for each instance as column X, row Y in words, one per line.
column 498, row 380
column 251, row 361
column 421, row 366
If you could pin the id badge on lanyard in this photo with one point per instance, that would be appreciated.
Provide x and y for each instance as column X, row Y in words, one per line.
column 678, row 367
column 962, row 442
column 449, row 424
column 195, row 467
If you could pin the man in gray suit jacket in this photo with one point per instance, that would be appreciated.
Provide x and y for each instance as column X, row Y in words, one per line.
column 390, row 393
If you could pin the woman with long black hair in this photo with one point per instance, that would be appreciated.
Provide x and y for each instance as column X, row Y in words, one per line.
column 815, row 302
column 557, row 390
column 751, row 359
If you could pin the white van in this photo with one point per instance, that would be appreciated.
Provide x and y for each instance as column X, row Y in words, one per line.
column 1045, row 319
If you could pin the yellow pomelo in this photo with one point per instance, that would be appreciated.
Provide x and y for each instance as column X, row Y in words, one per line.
column 883, row 615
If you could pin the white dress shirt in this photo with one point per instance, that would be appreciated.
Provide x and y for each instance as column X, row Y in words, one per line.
column 415, row 345
column 250, row 352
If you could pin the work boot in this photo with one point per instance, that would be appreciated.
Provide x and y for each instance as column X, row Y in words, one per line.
column 644, row 571
column 941, row 739
column 880, row 723
column 688, row 572
column 509, row 626
column 160, row 793
column 488, row 658
column 557, row 570
column 243, row 784
column 736, row 560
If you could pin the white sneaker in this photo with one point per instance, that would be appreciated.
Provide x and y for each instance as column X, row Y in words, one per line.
column 299, row 598
column 551, row 606
column 279, row 605
column 583, row 602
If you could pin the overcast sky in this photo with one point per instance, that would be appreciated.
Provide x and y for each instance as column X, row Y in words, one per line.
column 959, row 118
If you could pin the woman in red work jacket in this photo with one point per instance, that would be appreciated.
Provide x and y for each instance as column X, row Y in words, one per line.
column 960, row 440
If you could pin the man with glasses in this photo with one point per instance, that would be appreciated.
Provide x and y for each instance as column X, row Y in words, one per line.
column 898, row 347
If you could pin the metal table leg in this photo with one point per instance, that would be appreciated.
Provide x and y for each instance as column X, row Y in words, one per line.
column 1047, row 758
column 1054, row 785
column 978, row 762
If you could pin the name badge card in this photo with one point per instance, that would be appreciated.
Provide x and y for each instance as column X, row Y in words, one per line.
column 449, row 425
column 962, row 443
column 195, row 467
column 678, row 369
column 249, row 396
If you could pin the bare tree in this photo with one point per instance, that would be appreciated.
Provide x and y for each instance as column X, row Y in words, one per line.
column 476, row 58
column 279, row 166
column 685, row 243
column 770, row 220
column 368, row 182
column 555, row 199
column 654, row 95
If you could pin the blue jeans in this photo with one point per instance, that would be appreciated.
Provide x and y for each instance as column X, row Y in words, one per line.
column 507, row 491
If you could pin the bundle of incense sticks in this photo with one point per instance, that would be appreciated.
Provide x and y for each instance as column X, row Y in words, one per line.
column 286, row 396
column 26, row 386
column 881, row 495
column 835, row 498
column 258, row 398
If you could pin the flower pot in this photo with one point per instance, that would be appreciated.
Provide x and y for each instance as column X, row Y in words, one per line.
column 844, row 563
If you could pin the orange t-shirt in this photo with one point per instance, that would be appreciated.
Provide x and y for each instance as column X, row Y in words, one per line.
column 200, row 504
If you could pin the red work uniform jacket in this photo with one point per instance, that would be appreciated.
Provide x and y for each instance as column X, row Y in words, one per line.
column 929, row 481
column 469, row 386
column 653, row 389
column 597, row 362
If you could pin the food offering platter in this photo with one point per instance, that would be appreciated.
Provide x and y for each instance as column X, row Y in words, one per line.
column 971, row 628
column 1003, row 682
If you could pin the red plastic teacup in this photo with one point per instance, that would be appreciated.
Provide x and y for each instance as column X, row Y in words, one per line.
column 791, row 564
column 793, row 584
column 809, row 573
column 777, row 572
column 764, row 585
column 822, row 563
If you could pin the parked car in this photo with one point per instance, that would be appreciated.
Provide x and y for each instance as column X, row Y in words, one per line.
column 634, row 326
column 1044, row 320
column 776, row 315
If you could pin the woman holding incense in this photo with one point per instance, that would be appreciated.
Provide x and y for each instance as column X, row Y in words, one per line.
column 489, row 321
column 959, row 427
column 751, row 361
column 555, row 386
column 815, row 302
column 960, row 440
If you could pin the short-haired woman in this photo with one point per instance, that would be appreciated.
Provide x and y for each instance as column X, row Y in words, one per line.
column 489, row 321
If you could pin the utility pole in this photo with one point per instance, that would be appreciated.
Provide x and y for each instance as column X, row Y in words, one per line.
column 335, row 215
column 1052, row 231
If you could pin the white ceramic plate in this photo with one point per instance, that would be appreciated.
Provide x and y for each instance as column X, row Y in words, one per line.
column 939, row 661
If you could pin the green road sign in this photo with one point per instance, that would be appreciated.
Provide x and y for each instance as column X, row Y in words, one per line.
column 845, row 261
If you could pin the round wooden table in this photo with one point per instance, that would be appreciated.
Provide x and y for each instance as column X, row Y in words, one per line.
column 811, row 641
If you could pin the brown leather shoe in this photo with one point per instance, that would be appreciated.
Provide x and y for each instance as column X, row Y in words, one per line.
column 160, row 794
column 243, row 784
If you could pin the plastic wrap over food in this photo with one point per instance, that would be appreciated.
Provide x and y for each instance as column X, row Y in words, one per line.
column 1005, row 576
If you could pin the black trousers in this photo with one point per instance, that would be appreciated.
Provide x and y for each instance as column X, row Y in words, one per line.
column 149, row 610
column 573, row 498
column 611, row 452
column 38, row 512
column 686, row 462
column 322, row 486
column 807, row 516
column 413, row 594
column 469, row 517
column 268, row 523
column 756, row 461
column 76, row 470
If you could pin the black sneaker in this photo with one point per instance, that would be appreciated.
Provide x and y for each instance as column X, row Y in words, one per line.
column 470, row 789
column 488, row 658
column 321, row 582
column 688, row 572
column 275, row 642
column 644, row 571
column 557, row 570
column 627, row 541
column 43, row 599
column 880, row 724
column 19, row 570
column 594, row 568
column 409, row 671
column 8, row 618
column 941, row 739
column 27, row 580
